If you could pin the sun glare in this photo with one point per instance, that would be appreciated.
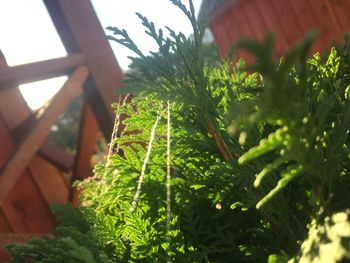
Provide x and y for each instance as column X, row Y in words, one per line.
column 37, row 93
column 31, row 36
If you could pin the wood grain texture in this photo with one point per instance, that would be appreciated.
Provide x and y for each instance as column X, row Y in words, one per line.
column 49, row 180
column 340, row 10
column 10, row 77
column 26, row 208
column 81, row 31
column 29, row 146
column 288, row 20
column 86, row 144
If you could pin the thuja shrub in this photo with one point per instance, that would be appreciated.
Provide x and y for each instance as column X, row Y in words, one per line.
column 218, row 162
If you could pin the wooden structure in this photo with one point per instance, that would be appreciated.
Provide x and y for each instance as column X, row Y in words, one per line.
column 289, row 20
column 34, row 172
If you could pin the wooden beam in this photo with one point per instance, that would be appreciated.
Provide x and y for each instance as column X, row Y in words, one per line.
column 50, row 181
column 5, row 226
column 29, row 146
column 9, row 97
column 81, row 31
column 26, row 208
column 86, row 144
column 6, row 143
column 56, row 155
column 88, row 131
column 12, row 76
column 11, row 213
column 48, row 150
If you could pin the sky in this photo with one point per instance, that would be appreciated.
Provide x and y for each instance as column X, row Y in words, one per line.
column 27, row 37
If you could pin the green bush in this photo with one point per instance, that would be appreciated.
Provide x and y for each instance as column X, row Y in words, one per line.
column 220, row 163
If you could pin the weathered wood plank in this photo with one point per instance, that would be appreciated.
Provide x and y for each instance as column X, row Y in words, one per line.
column 26, row 205
column 10, row 77
column 13, row 214
column 29, row 146
column 49, row 180
column 86, row 144
column 56, row 155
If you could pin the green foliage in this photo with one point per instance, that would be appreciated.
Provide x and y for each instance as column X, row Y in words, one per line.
column 257, row 153
column 308, row 105
column 72, row 242
column 328, row 241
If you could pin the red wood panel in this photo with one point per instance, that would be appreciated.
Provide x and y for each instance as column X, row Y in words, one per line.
column 12, row 216
column 56, row 155
column 241, row 20
column 5, row 226
column 308, row 22
column 231, row 34
column 75, row 196
column 273, row 24
column 231, row 26
column 50, row 181
column 287, row 21
column 4, row 255
column 223, row 28
column 6, row 148
column 220, row 37
column 255, row 19
column 341, row 9
column 243, row 30
column 29, row 206
column 326, row 21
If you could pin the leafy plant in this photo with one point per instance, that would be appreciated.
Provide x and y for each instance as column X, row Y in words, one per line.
column 72, row 242
column 220, row 162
